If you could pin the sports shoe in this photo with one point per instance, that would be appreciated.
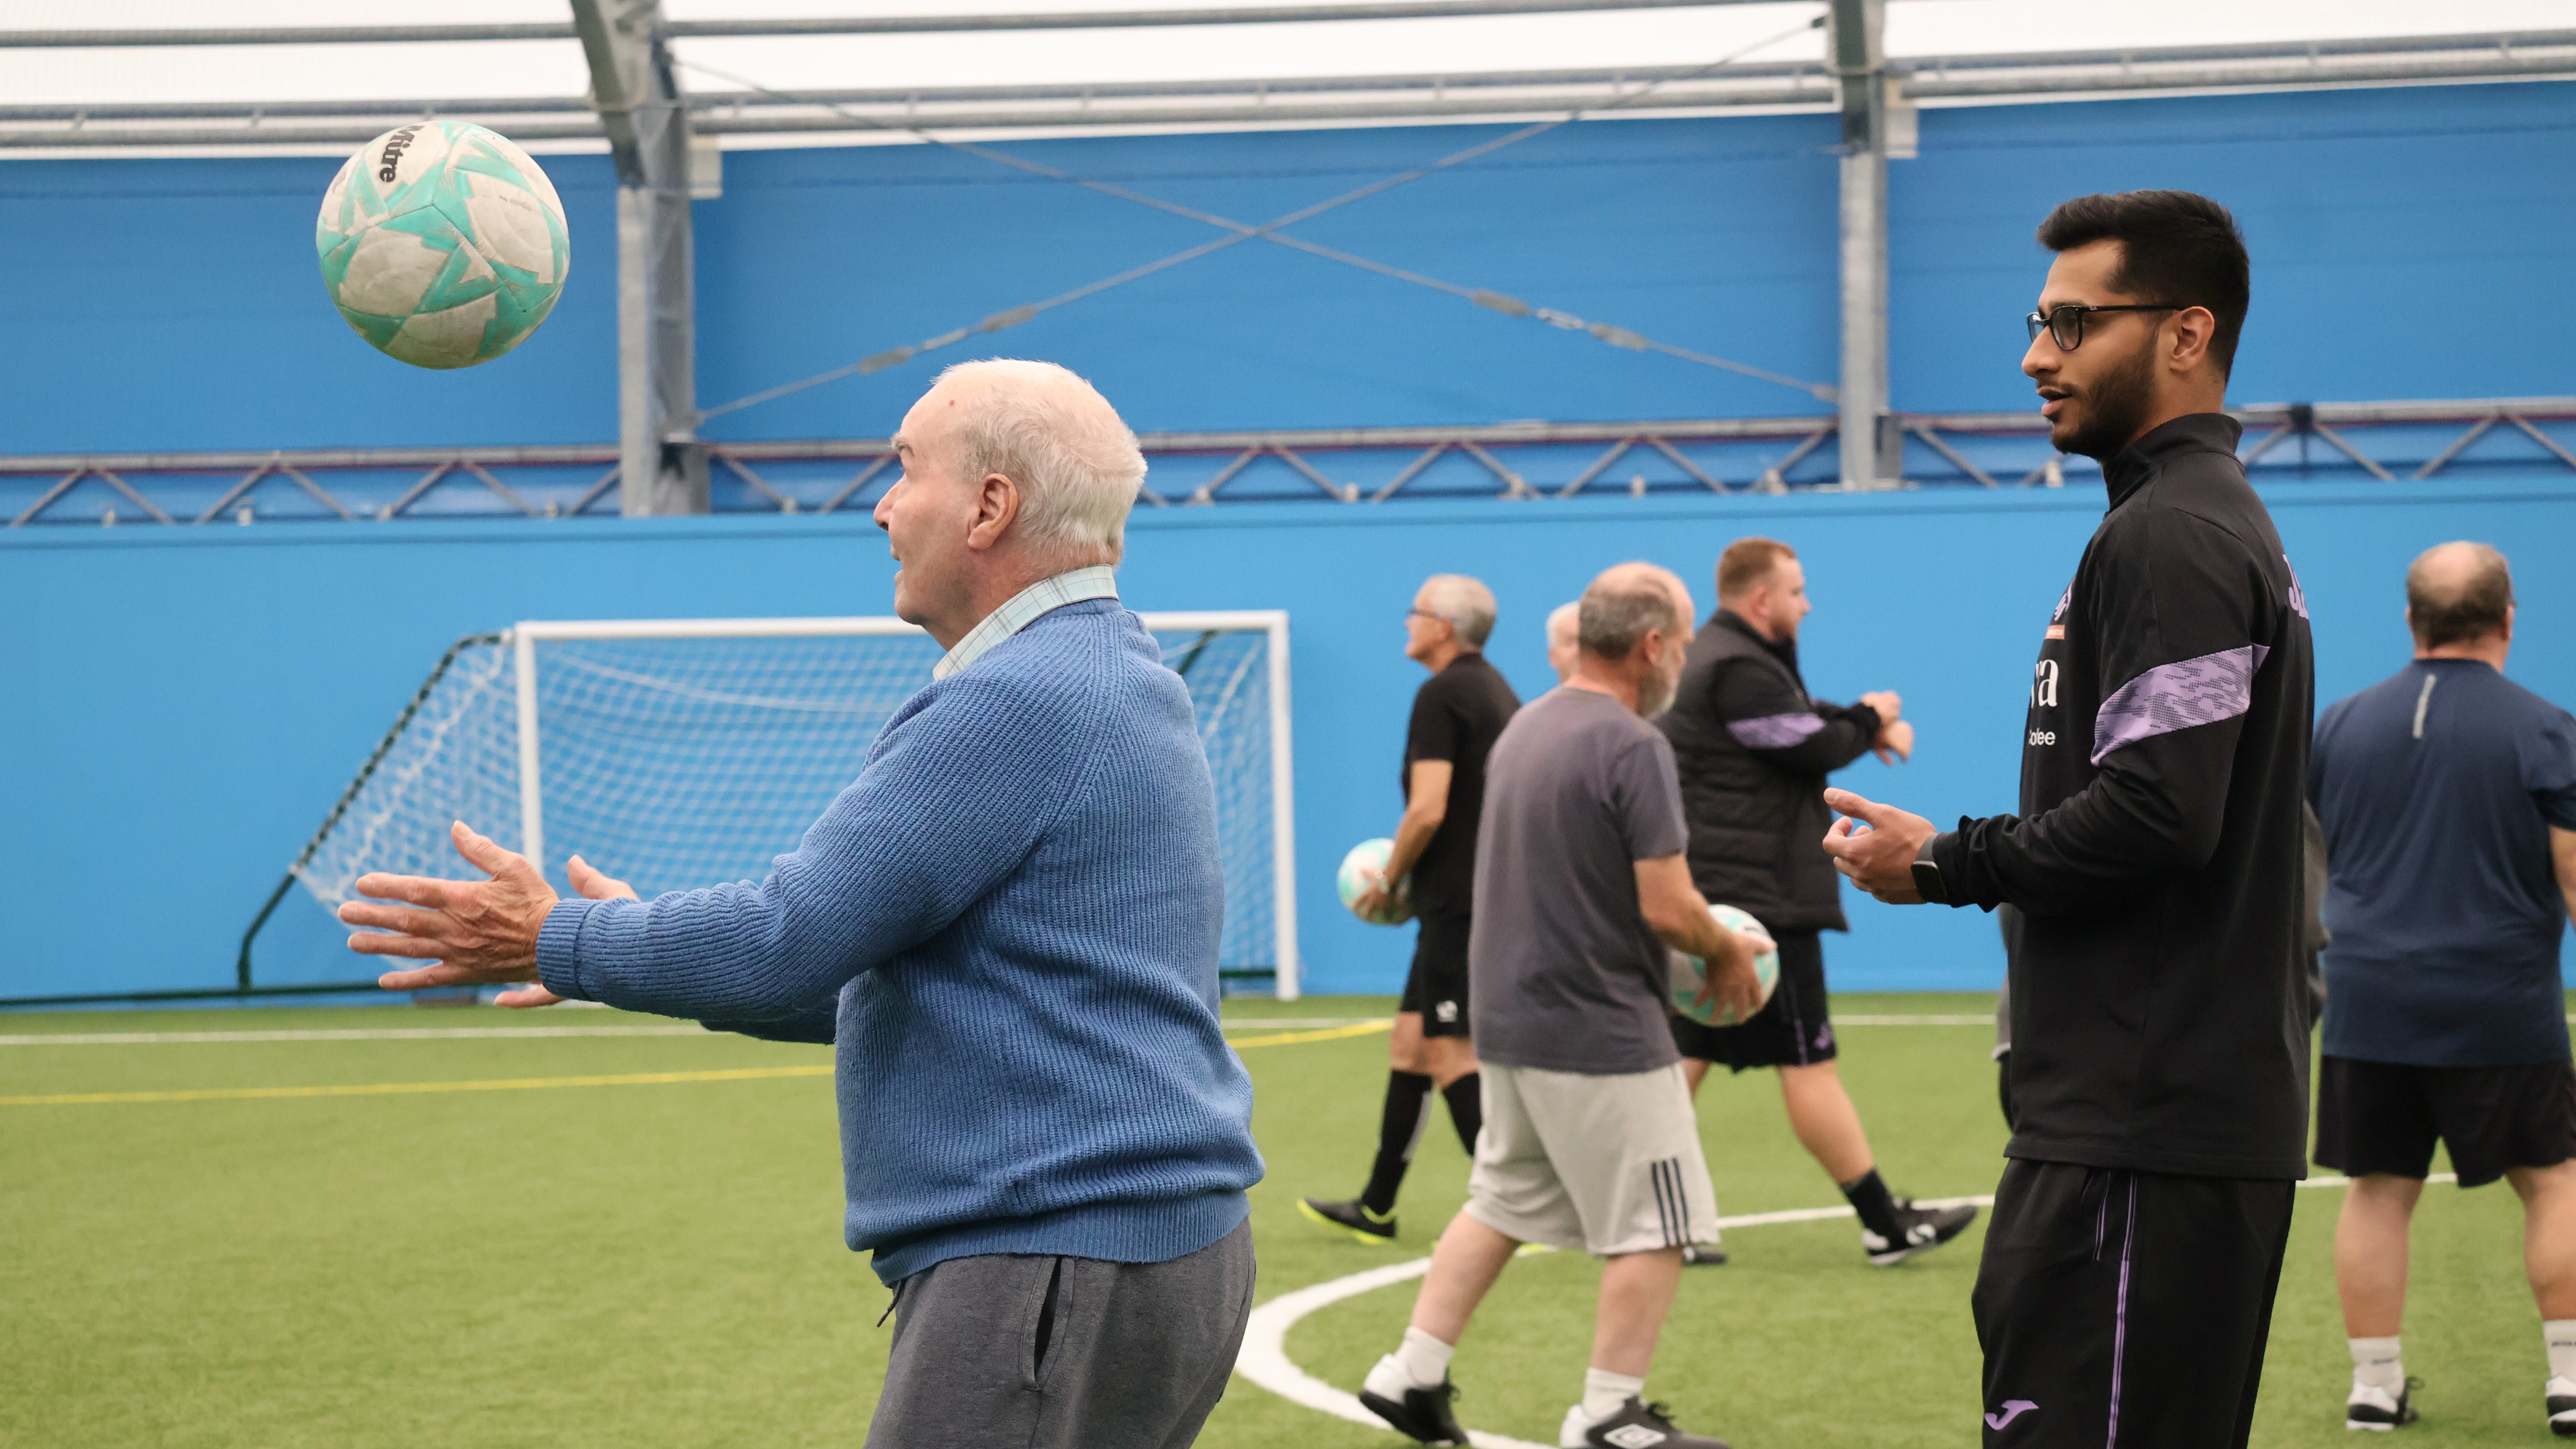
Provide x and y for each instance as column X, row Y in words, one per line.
column 2562, row 1406
column 1352, row 1218
column 1637, row 1425
column 2379, row 1411
column 1702, row 1255
column 1919, row 1230
column 1411, row 1410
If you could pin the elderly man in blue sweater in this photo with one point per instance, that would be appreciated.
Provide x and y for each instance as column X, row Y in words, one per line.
column 1007, row 926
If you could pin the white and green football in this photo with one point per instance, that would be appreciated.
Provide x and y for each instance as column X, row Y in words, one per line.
column 1690, row 973
column 442, row 244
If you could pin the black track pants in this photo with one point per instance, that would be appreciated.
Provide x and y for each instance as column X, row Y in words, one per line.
column 2126, row 1310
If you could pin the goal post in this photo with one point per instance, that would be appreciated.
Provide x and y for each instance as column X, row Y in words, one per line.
column 683, row 752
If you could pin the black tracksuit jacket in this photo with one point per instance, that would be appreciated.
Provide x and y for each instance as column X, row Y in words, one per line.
column 2157, row 1008
column 1753, row 750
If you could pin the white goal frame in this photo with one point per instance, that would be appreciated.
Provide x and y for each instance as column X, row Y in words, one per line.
column 524, row 637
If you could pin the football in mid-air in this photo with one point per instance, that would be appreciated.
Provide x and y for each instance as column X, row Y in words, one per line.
column 442, row 244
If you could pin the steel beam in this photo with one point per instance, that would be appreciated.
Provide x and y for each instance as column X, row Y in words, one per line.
column 662, row 469
column 1855, row 47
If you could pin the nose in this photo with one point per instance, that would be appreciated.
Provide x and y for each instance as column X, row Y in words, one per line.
column 2042, row 356
column 885, row 502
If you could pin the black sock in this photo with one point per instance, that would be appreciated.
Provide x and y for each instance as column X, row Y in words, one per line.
column 1876, row 1206
column 1397, row 1131
column 1466, row 1097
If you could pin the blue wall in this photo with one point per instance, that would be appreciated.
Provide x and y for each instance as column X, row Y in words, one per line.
column 177, row 303
column 182, row 705
column 191, row 700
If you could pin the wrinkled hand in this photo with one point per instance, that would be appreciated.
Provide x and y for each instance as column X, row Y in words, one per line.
column 592, row 882
column 1732, row 982
column 1880, row 858
column 470, row 931
column 1377, row 900
column 1886, row 702
column 1895, row 742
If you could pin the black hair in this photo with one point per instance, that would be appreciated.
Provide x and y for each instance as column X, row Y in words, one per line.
column 2175, row 246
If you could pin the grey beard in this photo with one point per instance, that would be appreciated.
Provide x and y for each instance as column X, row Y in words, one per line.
column 1655, row 695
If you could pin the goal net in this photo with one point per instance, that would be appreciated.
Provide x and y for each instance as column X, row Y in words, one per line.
column 686, row 752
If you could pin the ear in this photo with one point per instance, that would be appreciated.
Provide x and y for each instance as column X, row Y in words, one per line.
column 997, row 507
column 2194, row 328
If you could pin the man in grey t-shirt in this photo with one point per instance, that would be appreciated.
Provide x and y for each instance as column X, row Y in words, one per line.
column 1589, row 1141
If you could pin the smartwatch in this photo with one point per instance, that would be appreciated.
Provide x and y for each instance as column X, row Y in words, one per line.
column 1927, row 874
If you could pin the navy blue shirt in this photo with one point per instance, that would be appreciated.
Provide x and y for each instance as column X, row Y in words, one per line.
column 2437, row 787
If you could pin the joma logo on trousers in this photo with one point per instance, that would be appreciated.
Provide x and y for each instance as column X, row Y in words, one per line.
column 2013, row 1409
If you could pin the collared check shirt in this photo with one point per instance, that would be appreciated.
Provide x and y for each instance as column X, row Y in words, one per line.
column 1096, row 581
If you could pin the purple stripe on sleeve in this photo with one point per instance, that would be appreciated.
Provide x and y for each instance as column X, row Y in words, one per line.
column 2178, row 696
column 1773, row 731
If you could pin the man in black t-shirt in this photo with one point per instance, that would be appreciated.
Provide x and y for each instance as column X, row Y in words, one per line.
column 2159, row 992
column 2448, row 794
column 1456, row 718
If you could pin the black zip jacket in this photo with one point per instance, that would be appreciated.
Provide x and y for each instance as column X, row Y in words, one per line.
column 1753, row 751
column 2158, row 1020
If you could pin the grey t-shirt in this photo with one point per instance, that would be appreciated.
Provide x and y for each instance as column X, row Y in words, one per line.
column 1565, row 973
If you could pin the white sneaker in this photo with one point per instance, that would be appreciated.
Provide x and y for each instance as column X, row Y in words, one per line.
column 2378, row 1410
column 2562, row 1406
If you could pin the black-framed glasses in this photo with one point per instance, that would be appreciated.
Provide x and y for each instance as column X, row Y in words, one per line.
column 2065, row 322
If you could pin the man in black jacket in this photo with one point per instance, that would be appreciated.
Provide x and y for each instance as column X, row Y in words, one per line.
column 2159, row 1001
column 1753, row 749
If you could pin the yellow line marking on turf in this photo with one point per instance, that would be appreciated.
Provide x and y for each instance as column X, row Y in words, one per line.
column 527, row 1084
column 1291, row 1038
column 395, row 1089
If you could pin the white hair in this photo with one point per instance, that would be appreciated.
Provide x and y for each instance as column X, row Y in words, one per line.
column 1561, row 624
column 1465, row 602
column 1046, row 429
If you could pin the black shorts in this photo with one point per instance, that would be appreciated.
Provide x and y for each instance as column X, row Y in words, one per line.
column 1795, row 1030
column 2383, row 1117
column 1437, row 984
column 2126, row 1310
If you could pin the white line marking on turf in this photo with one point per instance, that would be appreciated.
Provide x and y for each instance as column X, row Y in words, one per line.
column 1264, row 1358
column 1291, row 1023
column 1986, row 1020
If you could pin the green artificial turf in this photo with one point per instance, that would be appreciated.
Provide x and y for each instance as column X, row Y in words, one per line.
column 644, row 1265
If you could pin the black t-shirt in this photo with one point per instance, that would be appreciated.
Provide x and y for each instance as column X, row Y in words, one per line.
column 1456, row 717
column 2159, row 995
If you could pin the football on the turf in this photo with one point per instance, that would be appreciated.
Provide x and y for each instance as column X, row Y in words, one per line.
column 442, row 244
column 1361, row 868
column 1690, row 972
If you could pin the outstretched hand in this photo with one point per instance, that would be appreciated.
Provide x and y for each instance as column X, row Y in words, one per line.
column 1895, row 742
column 471, row 932
column 1875, row 845
column 592, row 882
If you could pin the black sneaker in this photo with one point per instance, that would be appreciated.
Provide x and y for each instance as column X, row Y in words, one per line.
column 1419, row 1414
column 1351, row 1218
column 1919, row 1230
column 1702, row 1255
column 1637, row 1425
column 2562, row 1406
column 2376, row 1411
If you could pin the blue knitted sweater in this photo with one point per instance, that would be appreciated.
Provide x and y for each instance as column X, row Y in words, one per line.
column 1008, row 928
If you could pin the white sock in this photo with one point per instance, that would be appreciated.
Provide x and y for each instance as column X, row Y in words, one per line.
column 1425, row 1358
column 2561, row 1336
column 2375, row 1364
column 1605, row 1393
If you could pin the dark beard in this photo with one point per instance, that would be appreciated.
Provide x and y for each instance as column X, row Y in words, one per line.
column 2118, row 408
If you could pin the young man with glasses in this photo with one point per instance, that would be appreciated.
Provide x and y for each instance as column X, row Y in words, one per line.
column 2159, row 1016
column 1457, row 715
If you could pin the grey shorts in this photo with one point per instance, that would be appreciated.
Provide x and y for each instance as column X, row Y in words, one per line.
column 1606, row 1164
column 1064, row 1353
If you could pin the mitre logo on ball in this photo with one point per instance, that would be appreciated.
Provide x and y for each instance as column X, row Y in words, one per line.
column 442, row 244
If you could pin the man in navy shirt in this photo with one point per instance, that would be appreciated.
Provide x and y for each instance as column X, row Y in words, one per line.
column 2449, row 800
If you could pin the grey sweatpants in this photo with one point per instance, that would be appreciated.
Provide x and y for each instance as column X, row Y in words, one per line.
column 1064, row 1353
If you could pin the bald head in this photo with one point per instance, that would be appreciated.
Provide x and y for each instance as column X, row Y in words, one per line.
column 2458, row 593
column 1076, row 465
column 1625, row 603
